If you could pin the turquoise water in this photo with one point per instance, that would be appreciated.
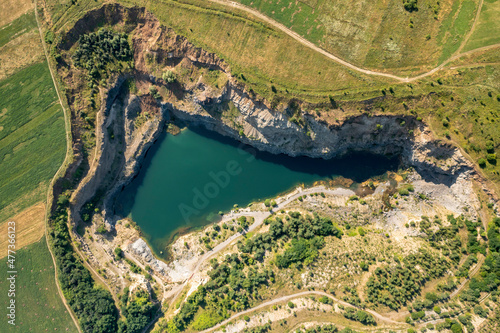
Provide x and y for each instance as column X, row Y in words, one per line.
column 188, row 178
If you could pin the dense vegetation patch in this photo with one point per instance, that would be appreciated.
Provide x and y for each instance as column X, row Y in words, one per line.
column 395, row 285
column 237, row 283
column 489, row 277
column 93, row 306
column 96, row 50
column 137, row 309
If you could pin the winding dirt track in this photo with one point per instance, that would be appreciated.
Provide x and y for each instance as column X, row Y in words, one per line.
column 312, row 46
column 67, row 157
column 259, row 218
column 289, row 297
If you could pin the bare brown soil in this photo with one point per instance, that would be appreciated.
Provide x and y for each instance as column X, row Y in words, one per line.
column 29, row 228
column 12, row 9
column 20, row 52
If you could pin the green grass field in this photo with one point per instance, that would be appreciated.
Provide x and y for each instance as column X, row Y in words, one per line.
column 456, row 27
column 487, row 30
column 23, row 24
column 38, row 305
column 32, row 137
column 299, row 16
column 375, row 34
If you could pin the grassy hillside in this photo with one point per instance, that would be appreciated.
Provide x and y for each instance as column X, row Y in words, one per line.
column 487, row 30
column 377, row 34
column 38, row 305
column 32, row 139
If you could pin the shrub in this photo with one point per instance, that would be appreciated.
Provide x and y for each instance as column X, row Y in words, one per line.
column 437, row 309
column 291, row 305
column 169, row 76
column 492, row 158
column 246, row 318
column 403, row 191
column 481, row 162
column 417, row 315
column 267, row 203
column 153, row 91
column 101, row 229
column 490, row 148
column 118, row 253
column 410, row 5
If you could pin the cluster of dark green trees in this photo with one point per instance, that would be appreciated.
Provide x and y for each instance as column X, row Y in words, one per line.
column 394, row 286
column 97, row 49
column 138, row 311
column 94, row 306
column 229, row 289
column 330, row 328
column 306, row 232
column 489, row 277
column 234, row 284
column 359, row 315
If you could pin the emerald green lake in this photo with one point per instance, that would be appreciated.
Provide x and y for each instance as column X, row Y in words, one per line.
column 187, row 179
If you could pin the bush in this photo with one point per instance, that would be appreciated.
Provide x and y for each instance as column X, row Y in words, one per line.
column 246, row 318
column 456, row 328
column 403, row 191
column 481, row 162
column 291, row 305
column 169, row 76
column 417, row 315
column 101, row 229
column 492, row 158
column 118, row 253
column 437, row 309
column 410, row 5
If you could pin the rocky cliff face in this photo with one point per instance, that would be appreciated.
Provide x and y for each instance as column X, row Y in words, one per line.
column 272, row 131
column 255, row 122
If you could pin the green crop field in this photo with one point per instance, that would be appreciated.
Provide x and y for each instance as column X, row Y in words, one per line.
column 23, row 24
column 38, row 305
column 487, row 31
column 32, row 138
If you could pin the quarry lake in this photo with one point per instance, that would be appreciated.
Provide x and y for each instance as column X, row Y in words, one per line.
column 187, row 179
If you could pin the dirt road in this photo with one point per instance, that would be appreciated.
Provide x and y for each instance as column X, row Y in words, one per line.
column 327, row 54
column 290, row 297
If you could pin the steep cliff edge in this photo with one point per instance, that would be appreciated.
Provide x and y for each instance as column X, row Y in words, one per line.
column 232, row 110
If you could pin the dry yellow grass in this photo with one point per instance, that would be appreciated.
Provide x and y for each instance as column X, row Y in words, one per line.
column 29, row 228
column 12, row 9
column 20, row 52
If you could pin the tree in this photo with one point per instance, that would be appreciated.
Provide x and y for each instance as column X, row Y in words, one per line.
column 169, row 76
column 410, row 5
column 118, row 253
column 456, row 328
